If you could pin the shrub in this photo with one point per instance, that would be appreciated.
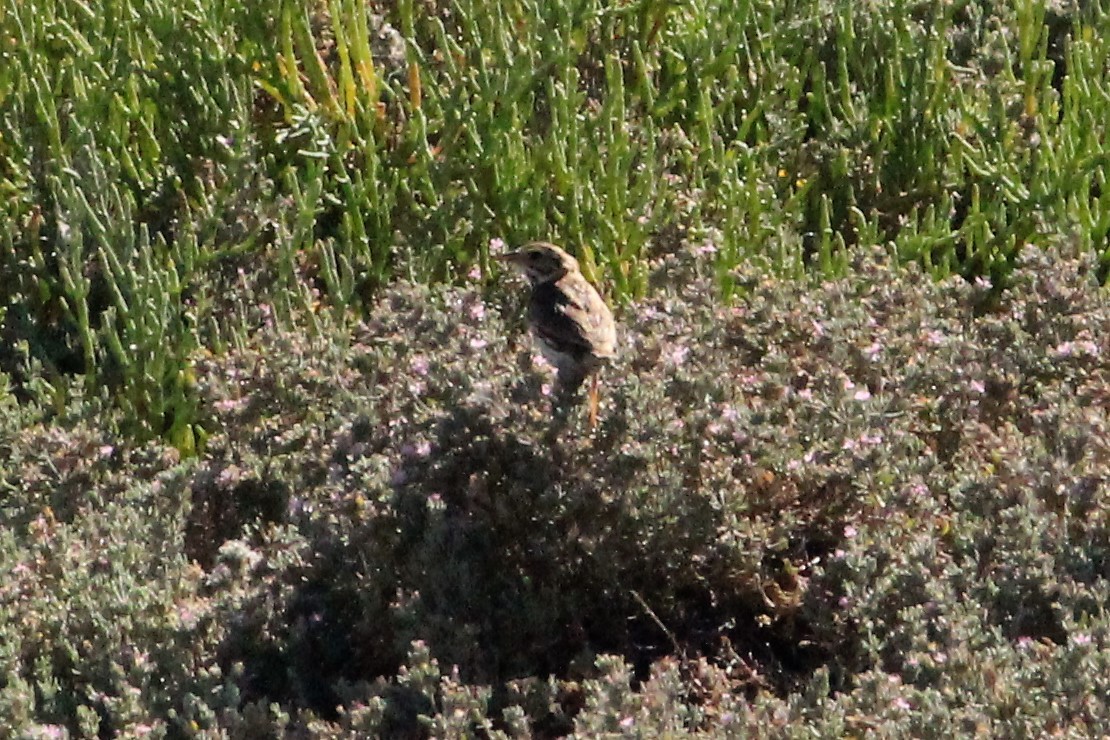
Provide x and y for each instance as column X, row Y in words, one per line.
column 865, row 504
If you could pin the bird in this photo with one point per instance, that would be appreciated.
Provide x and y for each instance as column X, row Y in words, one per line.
column 572, row 324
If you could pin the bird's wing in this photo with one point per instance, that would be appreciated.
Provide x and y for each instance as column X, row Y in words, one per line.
column 571, row 317
column 556, row 318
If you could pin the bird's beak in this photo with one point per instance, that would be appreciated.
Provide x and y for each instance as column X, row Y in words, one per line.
column 513, row 258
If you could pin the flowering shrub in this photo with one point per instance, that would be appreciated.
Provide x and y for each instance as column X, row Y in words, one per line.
column 874, row 504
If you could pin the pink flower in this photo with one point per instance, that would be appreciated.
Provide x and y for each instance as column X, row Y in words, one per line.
column 187, row 614
column 748, row 380
column 421, row 449
column 705, row 248
column 230, row 404
column 862, row 394
column 679, row 354
column 419, row 365
column 496, row 246
column 901, row 703
column 850, row 531
column 1077, row 349
column 229, row 476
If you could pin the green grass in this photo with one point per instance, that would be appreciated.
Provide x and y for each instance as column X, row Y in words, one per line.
column 147, row 149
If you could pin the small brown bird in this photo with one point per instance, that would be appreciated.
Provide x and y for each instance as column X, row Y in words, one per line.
column 571, row 323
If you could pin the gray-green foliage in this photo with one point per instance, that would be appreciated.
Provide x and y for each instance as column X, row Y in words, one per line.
column 869, row 503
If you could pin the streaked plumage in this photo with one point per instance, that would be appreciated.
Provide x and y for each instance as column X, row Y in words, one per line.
column 572, row 325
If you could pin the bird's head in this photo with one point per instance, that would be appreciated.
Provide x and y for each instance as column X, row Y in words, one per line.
column 541, row 262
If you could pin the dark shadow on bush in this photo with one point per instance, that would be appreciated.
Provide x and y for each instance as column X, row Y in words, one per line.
column 222, row 506
column 490, row 545
column 521, row 549
column 535, row 549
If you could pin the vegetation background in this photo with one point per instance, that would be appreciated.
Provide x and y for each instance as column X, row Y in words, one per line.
column 276, row 459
